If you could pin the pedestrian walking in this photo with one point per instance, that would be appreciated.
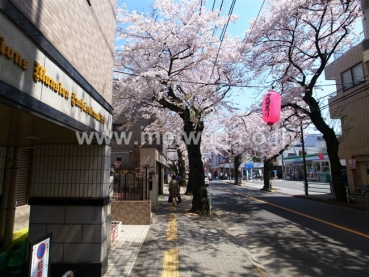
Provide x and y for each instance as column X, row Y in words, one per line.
column 179, row 179
column 174, row 190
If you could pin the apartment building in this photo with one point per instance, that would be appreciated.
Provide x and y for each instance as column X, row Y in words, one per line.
column 56, row 61
column 350, row 106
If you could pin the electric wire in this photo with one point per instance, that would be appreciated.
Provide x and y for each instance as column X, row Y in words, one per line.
column 346, row 97
column 191, row 82
column 221, row 38
column 224, row 84
column 252, row 27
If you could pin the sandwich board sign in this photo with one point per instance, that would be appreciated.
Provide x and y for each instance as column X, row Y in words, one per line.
column 40, row 257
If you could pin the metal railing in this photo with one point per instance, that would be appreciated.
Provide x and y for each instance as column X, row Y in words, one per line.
column 359, row 195
column 319, row 187
column 129, row 186
column 358, row 40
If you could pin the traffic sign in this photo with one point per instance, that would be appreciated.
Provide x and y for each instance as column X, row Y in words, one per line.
column 39, row 253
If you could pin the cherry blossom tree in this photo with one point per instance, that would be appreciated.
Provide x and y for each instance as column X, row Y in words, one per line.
column 290, row 44
column 171, row 59
column 247, row 133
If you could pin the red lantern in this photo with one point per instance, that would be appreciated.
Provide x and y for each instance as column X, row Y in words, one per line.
column 271, row 107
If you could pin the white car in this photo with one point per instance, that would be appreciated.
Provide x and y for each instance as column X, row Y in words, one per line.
column 207, row 182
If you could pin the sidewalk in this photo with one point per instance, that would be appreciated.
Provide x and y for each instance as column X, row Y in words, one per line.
column 315, row 196
column 288, row 191
column 179, row 243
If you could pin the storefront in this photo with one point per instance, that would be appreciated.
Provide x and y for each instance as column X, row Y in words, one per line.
column 317, row 166
column 252, row 170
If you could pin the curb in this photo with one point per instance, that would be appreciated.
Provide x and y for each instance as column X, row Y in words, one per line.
column 328, row 201
column 333, row 202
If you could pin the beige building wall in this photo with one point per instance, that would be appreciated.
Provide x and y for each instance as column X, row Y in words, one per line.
column 81, row 33
column 56, row 62
column 351, row 107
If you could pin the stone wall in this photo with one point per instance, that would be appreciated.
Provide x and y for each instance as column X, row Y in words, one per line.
column 131, row 212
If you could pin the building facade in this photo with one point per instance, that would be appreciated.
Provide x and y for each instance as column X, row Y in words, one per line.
column 56, row 61
column 350, row 106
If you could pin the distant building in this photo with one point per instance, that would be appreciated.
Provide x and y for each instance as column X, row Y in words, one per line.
column 290, row 164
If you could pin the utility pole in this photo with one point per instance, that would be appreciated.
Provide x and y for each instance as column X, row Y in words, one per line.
column 304, row 161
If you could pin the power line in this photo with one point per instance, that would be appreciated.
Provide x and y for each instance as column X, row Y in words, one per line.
column 252, row 27
column 190, row 82
column 221, row 38
column 211, row 84
column 348, row 96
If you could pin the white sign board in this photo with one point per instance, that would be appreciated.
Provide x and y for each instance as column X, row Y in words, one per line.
column 351, row 164
column 40, row 254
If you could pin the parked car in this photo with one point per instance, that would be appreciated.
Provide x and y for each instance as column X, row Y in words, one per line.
column 208, row 174
column 207, row 182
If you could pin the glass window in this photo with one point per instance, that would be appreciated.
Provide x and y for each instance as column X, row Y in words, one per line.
column 357, row 74
column 352, row 76
column 346, row 79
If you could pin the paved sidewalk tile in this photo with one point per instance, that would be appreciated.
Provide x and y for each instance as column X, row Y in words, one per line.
column 124, row 250
column 203, row 247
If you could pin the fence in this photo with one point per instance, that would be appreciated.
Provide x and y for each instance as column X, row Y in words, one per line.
column 129, row 186
column 320, row 187
column 360, row 195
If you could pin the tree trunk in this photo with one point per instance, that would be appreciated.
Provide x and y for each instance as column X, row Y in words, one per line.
column 268, row 166
column 236, row 165
column 332, row 143
column 196, row 180
column 181, row 167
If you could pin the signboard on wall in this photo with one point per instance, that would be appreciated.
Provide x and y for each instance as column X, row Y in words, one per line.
column 351, row 164
column 249, row 165
column 39, row 257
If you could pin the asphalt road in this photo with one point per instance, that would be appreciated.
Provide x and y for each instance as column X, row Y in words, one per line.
column 292, row 236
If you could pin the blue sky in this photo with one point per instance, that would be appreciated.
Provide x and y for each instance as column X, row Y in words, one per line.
column 245, row 11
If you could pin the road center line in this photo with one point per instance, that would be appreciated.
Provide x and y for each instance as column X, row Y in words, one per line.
column 305, row 215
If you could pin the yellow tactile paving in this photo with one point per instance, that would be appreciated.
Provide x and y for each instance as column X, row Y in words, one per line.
column 172, row 228
column 171, row 263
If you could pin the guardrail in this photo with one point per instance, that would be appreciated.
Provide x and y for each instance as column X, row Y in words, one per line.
column 319, row 187
column 360, row 195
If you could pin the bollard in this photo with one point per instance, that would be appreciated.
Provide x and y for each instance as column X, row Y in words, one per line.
column 209, row 201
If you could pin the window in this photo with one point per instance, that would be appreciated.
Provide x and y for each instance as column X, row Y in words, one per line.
column 352, row 76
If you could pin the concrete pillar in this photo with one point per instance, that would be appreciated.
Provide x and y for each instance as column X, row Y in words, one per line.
column 70, row 198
